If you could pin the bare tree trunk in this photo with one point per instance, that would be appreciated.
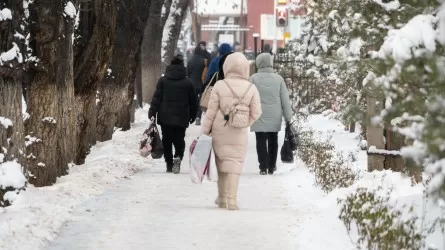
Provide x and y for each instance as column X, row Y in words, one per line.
column 93, row 55
column 172, row 30
column 138, row 83
column 12, row 142
column 117, row 90
column 151, row 50
column 165, row 15
column 51, row 92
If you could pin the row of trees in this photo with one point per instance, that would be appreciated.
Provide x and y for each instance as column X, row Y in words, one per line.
column 67, row 74
column 382, row 63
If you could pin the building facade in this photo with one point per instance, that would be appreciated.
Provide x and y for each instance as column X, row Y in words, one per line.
column 236, row 21
column 261, row 20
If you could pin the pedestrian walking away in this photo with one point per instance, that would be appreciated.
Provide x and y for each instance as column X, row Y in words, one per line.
column 224, row 49
column 175, row 105
column 222, row 121
column 275, row 104
column 196, row 71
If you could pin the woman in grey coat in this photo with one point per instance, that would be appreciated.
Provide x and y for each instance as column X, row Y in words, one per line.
column 275, row 104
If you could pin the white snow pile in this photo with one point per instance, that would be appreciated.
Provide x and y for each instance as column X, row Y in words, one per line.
column 11, row 175
column 390, row 6
column 5, row 122
column 11, row 54
column 5, row 14
column 37, row 214
column 419, row 33
column 397, row 186
column 70, row 10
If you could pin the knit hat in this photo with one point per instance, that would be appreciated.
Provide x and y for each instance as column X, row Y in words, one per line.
column 178, row 59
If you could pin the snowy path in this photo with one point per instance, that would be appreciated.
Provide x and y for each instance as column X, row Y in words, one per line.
column 155, row 210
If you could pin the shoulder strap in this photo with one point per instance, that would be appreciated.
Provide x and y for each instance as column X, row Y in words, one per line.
column 231, row 90
column 211, row 83
column 247, row 90
column 236, row 96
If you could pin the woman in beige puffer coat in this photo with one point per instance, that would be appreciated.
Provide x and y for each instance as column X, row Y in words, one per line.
column 229, row 143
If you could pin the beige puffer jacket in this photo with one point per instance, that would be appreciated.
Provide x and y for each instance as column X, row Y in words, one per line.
column 229, row 143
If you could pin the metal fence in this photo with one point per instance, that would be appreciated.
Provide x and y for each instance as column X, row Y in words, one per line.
column 303, row 89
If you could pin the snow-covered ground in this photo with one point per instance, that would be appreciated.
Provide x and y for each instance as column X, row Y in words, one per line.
column 119, row 200
column 38, row 214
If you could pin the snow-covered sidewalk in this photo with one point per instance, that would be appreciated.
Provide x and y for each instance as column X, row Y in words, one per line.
column 119, row 200
column 156, row 210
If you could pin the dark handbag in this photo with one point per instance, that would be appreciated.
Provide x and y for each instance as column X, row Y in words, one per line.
column 287, row 155
column 156, row 144
column 291, row 135
column 291, row 141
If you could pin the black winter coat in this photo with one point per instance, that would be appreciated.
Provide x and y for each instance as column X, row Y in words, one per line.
column 175, row 101
column 195, row 68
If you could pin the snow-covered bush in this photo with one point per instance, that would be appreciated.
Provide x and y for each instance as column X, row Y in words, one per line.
column 379, row 225
column 331, row 170
column 12, row 181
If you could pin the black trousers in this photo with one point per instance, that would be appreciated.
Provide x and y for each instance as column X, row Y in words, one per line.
column 173, row 136
column 199, row 114
column 267, row 149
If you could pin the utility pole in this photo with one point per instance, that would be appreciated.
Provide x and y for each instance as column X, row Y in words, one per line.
column 242, row 33
column 274, row 45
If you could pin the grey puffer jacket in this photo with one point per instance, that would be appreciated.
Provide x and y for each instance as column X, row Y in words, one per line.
column 274, row 96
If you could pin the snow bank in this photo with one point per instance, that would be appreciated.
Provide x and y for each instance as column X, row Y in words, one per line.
column 344, row 141
column 397, row 186
column 37, row 214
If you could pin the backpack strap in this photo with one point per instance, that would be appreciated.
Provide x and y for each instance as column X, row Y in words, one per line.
column 233, row 92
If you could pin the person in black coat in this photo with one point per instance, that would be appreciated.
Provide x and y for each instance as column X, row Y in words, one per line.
column 175, row 105
column 195, row 70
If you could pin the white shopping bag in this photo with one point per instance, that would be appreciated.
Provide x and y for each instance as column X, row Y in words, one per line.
column 200, row 153
column 212, row 172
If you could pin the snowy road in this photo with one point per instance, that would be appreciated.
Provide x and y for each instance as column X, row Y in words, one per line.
column 155, row 210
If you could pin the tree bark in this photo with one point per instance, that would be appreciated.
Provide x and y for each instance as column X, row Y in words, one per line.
column 165, row 15
column 93, row 53
column 172, row 31
column 50, row 92
column 12, row 142
column 116, row 93
column 151, row 51
column 138, row 82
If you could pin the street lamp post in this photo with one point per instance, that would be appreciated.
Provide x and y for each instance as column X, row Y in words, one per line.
column 255, row 47
column 262, row 45
column 255, row 44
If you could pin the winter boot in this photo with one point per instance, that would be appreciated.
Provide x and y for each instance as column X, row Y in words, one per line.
column 169, row 168
column 198, row 122
column 232, row 191
column 176, row 165
column 263, row 172
column 221, row 200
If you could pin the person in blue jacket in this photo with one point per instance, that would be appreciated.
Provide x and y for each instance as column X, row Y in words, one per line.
column 224, row 48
